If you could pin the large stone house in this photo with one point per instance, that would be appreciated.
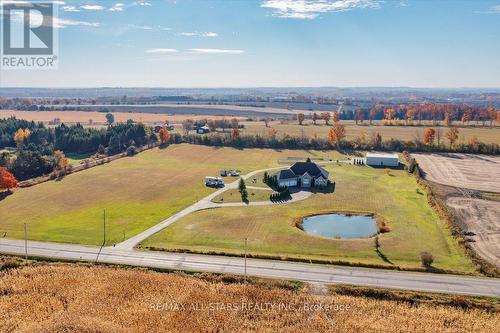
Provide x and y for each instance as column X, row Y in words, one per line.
column 303, row 174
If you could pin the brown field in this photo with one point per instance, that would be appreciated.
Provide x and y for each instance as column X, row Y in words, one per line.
column 482, row 217
column 476, row 172
column 469, row 174
column 406, row 133
column 76, row 298
column 99, row 118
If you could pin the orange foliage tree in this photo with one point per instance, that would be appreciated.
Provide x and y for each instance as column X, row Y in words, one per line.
column 429, row 136
column 336, row 133
column 7, row 180
column 62, row 162
column 326, row 117
column 452, row 135
column 164, row 136
column 336, row 117
column 235, row 134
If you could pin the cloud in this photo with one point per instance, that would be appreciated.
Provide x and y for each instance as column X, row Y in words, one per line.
column 118, row 7
column 310, row 9
column 215, row 51
column 63, row 23
column 92, row 7
column 493, row 10
column 70, row 9
column 57, row 22
column 140, row 27
column 198, row 34
column 142, row 3
column 161, row 51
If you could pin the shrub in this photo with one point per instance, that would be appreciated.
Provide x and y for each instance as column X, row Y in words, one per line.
column 131, row 151
column 427, row 259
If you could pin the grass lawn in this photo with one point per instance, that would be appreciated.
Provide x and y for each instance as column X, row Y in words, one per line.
column 75, row 159
column 235, row 196
column 137, row 192
column 270, row 229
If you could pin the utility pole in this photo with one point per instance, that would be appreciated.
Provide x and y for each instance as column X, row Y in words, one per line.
column 104, row 220
column 246, row 239
column 104, row 236
column 26, row 241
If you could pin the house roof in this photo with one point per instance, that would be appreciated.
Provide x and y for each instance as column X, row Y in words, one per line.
column 286, row 174
column 311, row 168
column 300, row 168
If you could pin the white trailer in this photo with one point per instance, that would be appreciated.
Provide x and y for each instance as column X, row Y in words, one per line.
column 382, row 159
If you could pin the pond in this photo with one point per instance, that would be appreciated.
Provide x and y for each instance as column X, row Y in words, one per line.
column 340, row 226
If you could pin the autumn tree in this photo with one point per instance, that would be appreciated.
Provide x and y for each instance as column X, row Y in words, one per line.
column 466, row 117
column 429, row 136
column 7, row 180
column 301, row 118
column 314, row 117
column 235, row 134
column 378, row 139
column 473, row 141
column 62, row 163
column 326, row 117
column 447, row 120
column 452, row 135
column 336, row 117
column 164, row 136
column 362, row 137
column 336, row 134
column 271, row 134
column 21, row 135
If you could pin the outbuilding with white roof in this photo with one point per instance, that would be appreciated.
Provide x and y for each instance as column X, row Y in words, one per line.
column 382, row 159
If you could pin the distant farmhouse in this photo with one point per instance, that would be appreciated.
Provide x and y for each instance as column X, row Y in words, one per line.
column 382, row 159
column 303, row 174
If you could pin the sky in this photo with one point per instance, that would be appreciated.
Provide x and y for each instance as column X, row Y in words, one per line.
column 272, row 43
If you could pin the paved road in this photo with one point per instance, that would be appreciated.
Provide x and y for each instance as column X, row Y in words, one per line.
column 262, row 268
column 205, row 203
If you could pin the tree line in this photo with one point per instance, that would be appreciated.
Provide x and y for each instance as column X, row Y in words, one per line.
column 35, row 146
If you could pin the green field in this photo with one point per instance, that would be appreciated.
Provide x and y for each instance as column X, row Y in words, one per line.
column 271, row 231
column 137, row 192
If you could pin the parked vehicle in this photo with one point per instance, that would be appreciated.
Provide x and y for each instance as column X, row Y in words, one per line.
column 214, row 181
column 223, row 173
column 234, row 173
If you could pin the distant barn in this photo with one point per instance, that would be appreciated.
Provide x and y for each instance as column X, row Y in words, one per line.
column 382, row 159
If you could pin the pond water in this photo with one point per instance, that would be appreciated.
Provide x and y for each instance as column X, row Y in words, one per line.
column 340, row 226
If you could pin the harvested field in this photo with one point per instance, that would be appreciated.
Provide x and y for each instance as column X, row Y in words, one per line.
column 70, row 298
column 99, row 118
column 406, row 133
column 481, row 217
column 476, row 172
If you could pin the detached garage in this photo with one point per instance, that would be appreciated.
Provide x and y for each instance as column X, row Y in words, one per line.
column 382, row 159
